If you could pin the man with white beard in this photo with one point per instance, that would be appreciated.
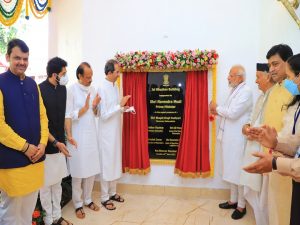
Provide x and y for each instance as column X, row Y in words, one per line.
column 234, row 114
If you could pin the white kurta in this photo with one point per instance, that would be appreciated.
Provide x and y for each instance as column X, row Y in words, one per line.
column 252, row 180
column 84, row 161
column 256, row 185
column 110, row 131
column 234, row 114
column 55, row 169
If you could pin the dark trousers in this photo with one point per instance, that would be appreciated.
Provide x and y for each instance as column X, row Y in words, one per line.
column 295, row 208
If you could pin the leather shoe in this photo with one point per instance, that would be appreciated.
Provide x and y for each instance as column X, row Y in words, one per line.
column 226, row 205
column 237, row 214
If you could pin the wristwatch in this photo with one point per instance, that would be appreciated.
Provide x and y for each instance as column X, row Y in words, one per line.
column 274, row 163
column 54, row 143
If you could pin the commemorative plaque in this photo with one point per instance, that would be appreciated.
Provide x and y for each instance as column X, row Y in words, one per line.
column 165, row 113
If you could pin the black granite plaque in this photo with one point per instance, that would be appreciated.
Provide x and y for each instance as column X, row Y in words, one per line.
column 165, row 113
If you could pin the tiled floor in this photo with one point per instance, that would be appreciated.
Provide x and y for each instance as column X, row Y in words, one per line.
column 140, row 209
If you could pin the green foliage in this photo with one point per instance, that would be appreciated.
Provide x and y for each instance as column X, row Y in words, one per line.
column 8, row 33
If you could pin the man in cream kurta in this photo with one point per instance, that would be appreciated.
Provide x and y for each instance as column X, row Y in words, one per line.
column 110, row 134
column 280, row 188
column 254, row 183
column 84, row 163
column 234, row 114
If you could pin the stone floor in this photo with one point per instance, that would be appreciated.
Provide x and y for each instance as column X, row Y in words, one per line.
column 145, row 209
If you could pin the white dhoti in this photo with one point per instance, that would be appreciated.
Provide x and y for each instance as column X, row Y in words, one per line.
column 17, row 210
column 50, row 194
column 259, row 202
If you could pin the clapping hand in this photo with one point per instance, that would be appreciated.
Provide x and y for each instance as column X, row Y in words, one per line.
column 262, row 165
column 253, row 133
column 268, row 136
column 96, row 101
column 87, row 101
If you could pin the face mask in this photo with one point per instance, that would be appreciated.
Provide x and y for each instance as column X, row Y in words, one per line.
column 63, row 80
column 291, row 87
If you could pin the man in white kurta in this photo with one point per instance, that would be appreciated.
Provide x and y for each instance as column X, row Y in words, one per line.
column 84, row 163
column 110, row 132
column 234, row 114
column 256, row 185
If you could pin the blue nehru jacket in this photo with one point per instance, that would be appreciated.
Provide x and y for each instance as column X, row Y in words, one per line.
column 22, row 114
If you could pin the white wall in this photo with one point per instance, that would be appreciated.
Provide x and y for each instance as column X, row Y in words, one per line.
column 277, row 26
column 65, row 33
column 241, row 31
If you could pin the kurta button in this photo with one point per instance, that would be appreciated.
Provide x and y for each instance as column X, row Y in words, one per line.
column 21, row 83
column 24, row 93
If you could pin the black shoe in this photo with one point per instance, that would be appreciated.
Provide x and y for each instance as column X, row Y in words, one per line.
column 226, row 205
column 237, row 214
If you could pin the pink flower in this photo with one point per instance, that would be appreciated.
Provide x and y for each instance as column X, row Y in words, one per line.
column 160, row 60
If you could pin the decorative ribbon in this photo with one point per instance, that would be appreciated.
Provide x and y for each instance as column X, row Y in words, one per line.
column 10, row 10
column 213, row 123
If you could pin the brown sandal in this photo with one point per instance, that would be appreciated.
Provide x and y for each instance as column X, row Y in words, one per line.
column 80, row 213
column 108, row 205
column 117, row 198
column 93, row 206
column 62, row 221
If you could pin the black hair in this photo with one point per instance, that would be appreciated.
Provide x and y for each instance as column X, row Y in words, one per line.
column 283, row 50
column 110, row 66
column 16, row 43
column 294, row 64
column 55, row 65
column 80, row 69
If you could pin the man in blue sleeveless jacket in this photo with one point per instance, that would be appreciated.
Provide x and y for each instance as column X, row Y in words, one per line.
column 23, row 136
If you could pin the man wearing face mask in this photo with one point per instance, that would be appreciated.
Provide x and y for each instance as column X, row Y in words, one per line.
column 287, row 142
column 54, row 95
column 80, row 124
column 234, row 114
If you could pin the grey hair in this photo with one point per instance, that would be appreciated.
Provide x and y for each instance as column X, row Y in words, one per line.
column 241, row 70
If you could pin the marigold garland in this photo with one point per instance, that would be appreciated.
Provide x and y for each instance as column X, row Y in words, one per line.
column 10, row 10
column 156, row 61
column 39, row 10
column 8, row 18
